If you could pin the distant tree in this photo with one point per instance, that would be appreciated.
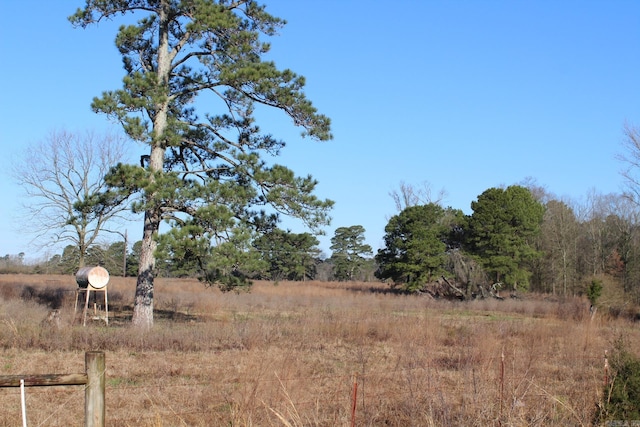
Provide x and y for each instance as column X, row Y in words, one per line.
column 114, row 259
column 592, row 214
column 367, row 271
column 621, row 241
column 96, row 255
column 408, row 195
column 288, row 256
column 205, row 172
column 414, row 252
column 631, row 175
column 15, row 260
column 557, row 271
column 350, row 252
column 234, row 262
column 594, row 291
column 538, row 191
column 181, row 253
column 631, row 161
column 58, row 175
column 323, row 270
column 608, row 225
column 13, row 263
column 502, row 227
column 68, row 261
column 455, row 224
column 48, row 266
column 133, row 259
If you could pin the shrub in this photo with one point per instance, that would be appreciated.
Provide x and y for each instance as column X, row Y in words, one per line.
column 622, row 393
column 594, row 291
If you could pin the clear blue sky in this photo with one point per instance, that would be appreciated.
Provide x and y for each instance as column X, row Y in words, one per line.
column 465, row 95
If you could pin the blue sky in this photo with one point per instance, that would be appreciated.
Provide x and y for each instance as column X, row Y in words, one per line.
column 464, row 95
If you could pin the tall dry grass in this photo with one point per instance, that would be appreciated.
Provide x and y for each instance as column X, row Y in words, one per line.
column 288, row 355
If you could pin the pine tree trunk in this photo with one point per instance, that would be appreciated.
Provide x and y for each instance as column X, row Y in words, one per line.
column 143, row 303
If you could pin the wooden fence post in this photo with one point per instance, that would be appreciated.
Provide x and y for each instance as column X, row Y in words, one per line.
column 94, row 408
column 93, row 379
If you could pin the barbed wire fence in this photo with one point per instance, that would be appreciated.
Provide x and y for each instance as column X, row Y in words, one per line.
column 442, row 392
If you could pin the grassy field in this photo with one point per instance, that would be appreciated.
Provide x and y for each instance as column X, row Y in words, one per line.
column 290, row 354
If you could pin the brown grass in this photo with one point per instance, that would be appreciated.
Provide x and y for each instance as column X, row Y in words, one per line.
column 287, row 355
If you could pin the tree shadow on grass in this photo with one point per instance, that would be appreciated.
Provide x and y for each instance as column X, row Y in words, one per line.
column 124, row 313
column 53, row 298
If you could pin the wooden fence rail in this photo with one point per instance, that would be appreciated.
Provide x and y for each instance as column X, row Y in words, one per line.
column 93, row 379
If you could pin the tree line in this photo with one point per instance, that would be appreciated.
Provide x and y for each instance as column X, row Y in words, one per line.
column 209, row 176
column 518, row 238
column 277, row 255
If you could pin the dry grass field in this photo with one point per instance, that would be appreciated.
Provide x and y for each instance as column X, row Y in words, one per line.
column 290, row 354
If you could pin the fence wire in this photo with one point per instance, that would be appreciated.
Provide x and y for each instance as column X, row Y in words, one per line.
column 497, row 395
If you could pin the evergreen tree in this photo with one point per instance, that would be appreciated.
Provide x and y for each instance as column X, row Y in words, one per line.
column 205, row 173
column 114, row 259
column 133, row 258
column 501, row 231
column 414, row 252
column 349, row 252
column 68, row 262
column 289, row 256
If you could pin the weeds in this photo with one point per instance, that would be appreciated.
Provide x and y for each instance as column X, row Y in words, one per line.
column 621, row 394
column 287, row 355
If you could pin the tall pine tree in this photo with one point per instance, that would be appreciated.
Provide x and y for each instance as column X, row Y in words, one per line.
column 205, row 172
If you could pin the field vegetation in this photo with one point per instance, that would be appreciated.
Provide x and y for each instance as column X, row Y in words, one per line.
column 290, row 354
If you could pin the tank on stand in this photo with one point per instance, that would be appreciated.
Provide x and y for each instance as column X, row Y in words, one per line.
column 92, row 279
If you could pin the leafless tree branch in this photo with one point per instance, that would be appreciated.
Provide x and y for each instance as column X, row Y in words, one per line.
column 56, row 173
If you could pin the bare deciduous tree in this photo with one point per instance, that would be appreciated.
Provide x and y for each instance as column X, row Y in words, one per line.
column 408, row 195
column 559, row 240
column 631, row 161
column 58, row 175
